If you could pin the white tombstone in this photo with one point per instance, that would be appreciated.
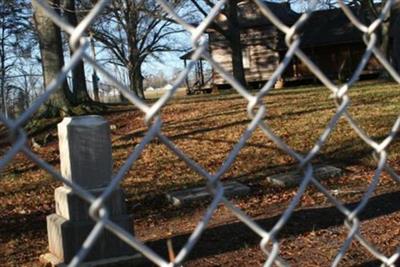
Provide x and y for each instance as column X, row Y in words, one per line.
column 86, row 159
column 85, row 151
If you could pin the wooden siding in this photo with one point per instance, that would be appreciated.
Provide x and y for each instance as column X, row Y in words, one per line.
column 336, row 60
column 262, row 60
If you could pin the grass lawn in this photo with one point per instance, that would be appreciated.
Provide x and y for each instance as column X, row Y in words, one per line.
column 206, row 127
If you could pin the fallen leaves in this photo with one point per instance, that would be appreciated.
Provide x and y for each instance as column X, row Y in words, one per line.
column 206, row 128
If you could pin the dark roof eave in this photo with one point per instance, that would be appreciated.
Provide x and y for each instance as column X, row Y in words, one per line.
column 310, row 45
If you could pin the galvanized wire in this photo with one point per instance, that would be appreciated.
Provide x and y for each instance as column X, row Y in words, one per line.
column 269, row 242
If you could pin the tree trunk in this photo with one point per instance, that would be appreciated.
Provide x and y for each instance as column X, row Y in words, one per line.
column 136, row 80
column 95, row 79
column 235, row 42
column 78, row 73
column 4, row 108
column 396, row 44
column 384, row 45
column 52, row 59
column 134, row 62
column 237, row 61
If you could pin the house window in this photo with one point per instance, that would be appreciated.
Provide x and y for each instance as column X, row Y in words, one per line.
column 246, row 57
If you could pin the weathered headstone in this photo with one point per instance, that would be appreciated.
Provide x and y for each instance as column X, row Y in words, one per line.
column 293, row 178
column 86, row 159
column 187, row 196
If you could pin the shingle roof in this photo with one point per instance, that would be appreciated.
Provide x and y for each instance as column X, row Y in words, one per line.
column 255, row 18
column 329, row 27
column 325, row 27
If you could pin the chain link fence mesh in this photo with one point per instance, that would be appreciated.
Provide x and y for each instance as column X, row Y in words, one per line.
column 256, row 112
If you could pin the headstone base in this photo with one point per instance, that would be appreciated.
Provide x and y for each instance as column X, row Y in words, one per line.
column 66, row 238
column 70, row 206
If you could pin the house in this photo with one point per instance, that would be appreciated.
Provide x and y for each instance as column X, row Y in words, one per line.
column 328, row 38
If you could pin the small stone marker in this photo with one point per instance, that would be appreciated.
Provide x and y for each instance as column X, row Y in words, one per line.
column 293, row 178
column 184, row 197
column 86, row 159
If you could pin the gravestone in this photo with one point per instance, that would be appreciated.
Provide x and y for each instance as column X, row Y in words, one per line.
column 294, row 178
column 86, row 160
column 201, row 193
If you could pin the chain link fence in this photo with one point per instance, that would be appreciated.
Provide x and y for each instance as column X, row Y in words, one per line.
column 256, row 112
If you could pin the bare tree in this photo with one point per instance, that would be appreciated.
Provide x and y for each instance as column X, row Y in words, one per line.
column 14, row 30
column 133, row 31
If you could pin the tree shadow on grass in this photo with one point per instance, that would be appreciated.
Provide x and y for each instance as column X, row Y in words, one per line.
column 197, row 124
column 234, row 236
column 374, row 263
